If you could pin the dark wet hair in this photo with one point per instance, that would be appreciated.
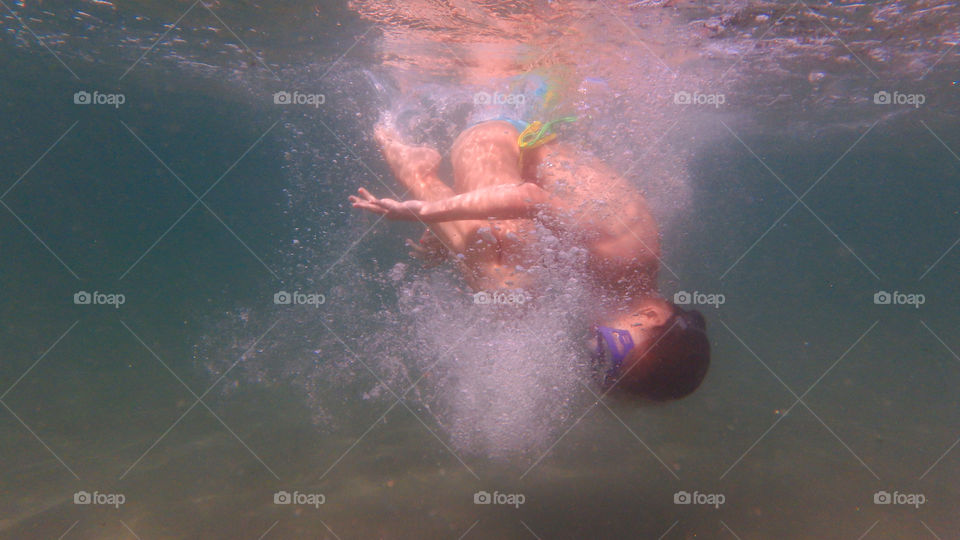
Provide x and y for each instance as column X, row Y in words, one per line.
column 674, row 362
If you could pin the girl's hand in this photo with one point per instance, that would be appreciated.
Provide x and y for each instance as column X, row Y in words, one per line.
column 391, row 209
column 429, row 250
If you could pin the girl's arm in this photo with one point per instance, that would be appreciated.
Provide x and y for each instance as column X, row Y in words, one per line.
column 506, row 201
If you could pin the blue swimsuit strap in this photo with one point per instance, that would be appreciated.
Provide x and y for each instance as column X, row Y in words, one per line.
column 519, row 124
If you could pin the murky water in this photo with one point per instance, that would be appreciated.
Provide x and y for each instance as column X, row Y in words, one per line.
column 801, row 159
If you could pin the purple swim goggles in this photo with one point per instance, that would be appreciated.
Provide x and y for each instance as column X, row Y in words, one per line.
column 613, row 345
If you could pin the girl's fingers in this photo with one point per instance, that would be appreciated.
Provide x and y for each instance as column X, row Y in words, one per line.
column 369, row 207
column 414, row 246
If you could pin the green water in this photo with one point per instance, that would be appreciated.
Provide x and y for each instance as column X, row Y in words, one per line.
column 199, row 399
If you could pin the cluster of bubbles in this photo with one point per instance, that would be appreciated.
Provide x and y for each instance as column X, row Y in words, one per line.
column 502, row 379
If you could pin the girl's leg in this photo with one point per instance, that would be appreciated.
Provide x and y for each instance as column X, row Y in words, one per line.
column 415, row 169
column 486, row 155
